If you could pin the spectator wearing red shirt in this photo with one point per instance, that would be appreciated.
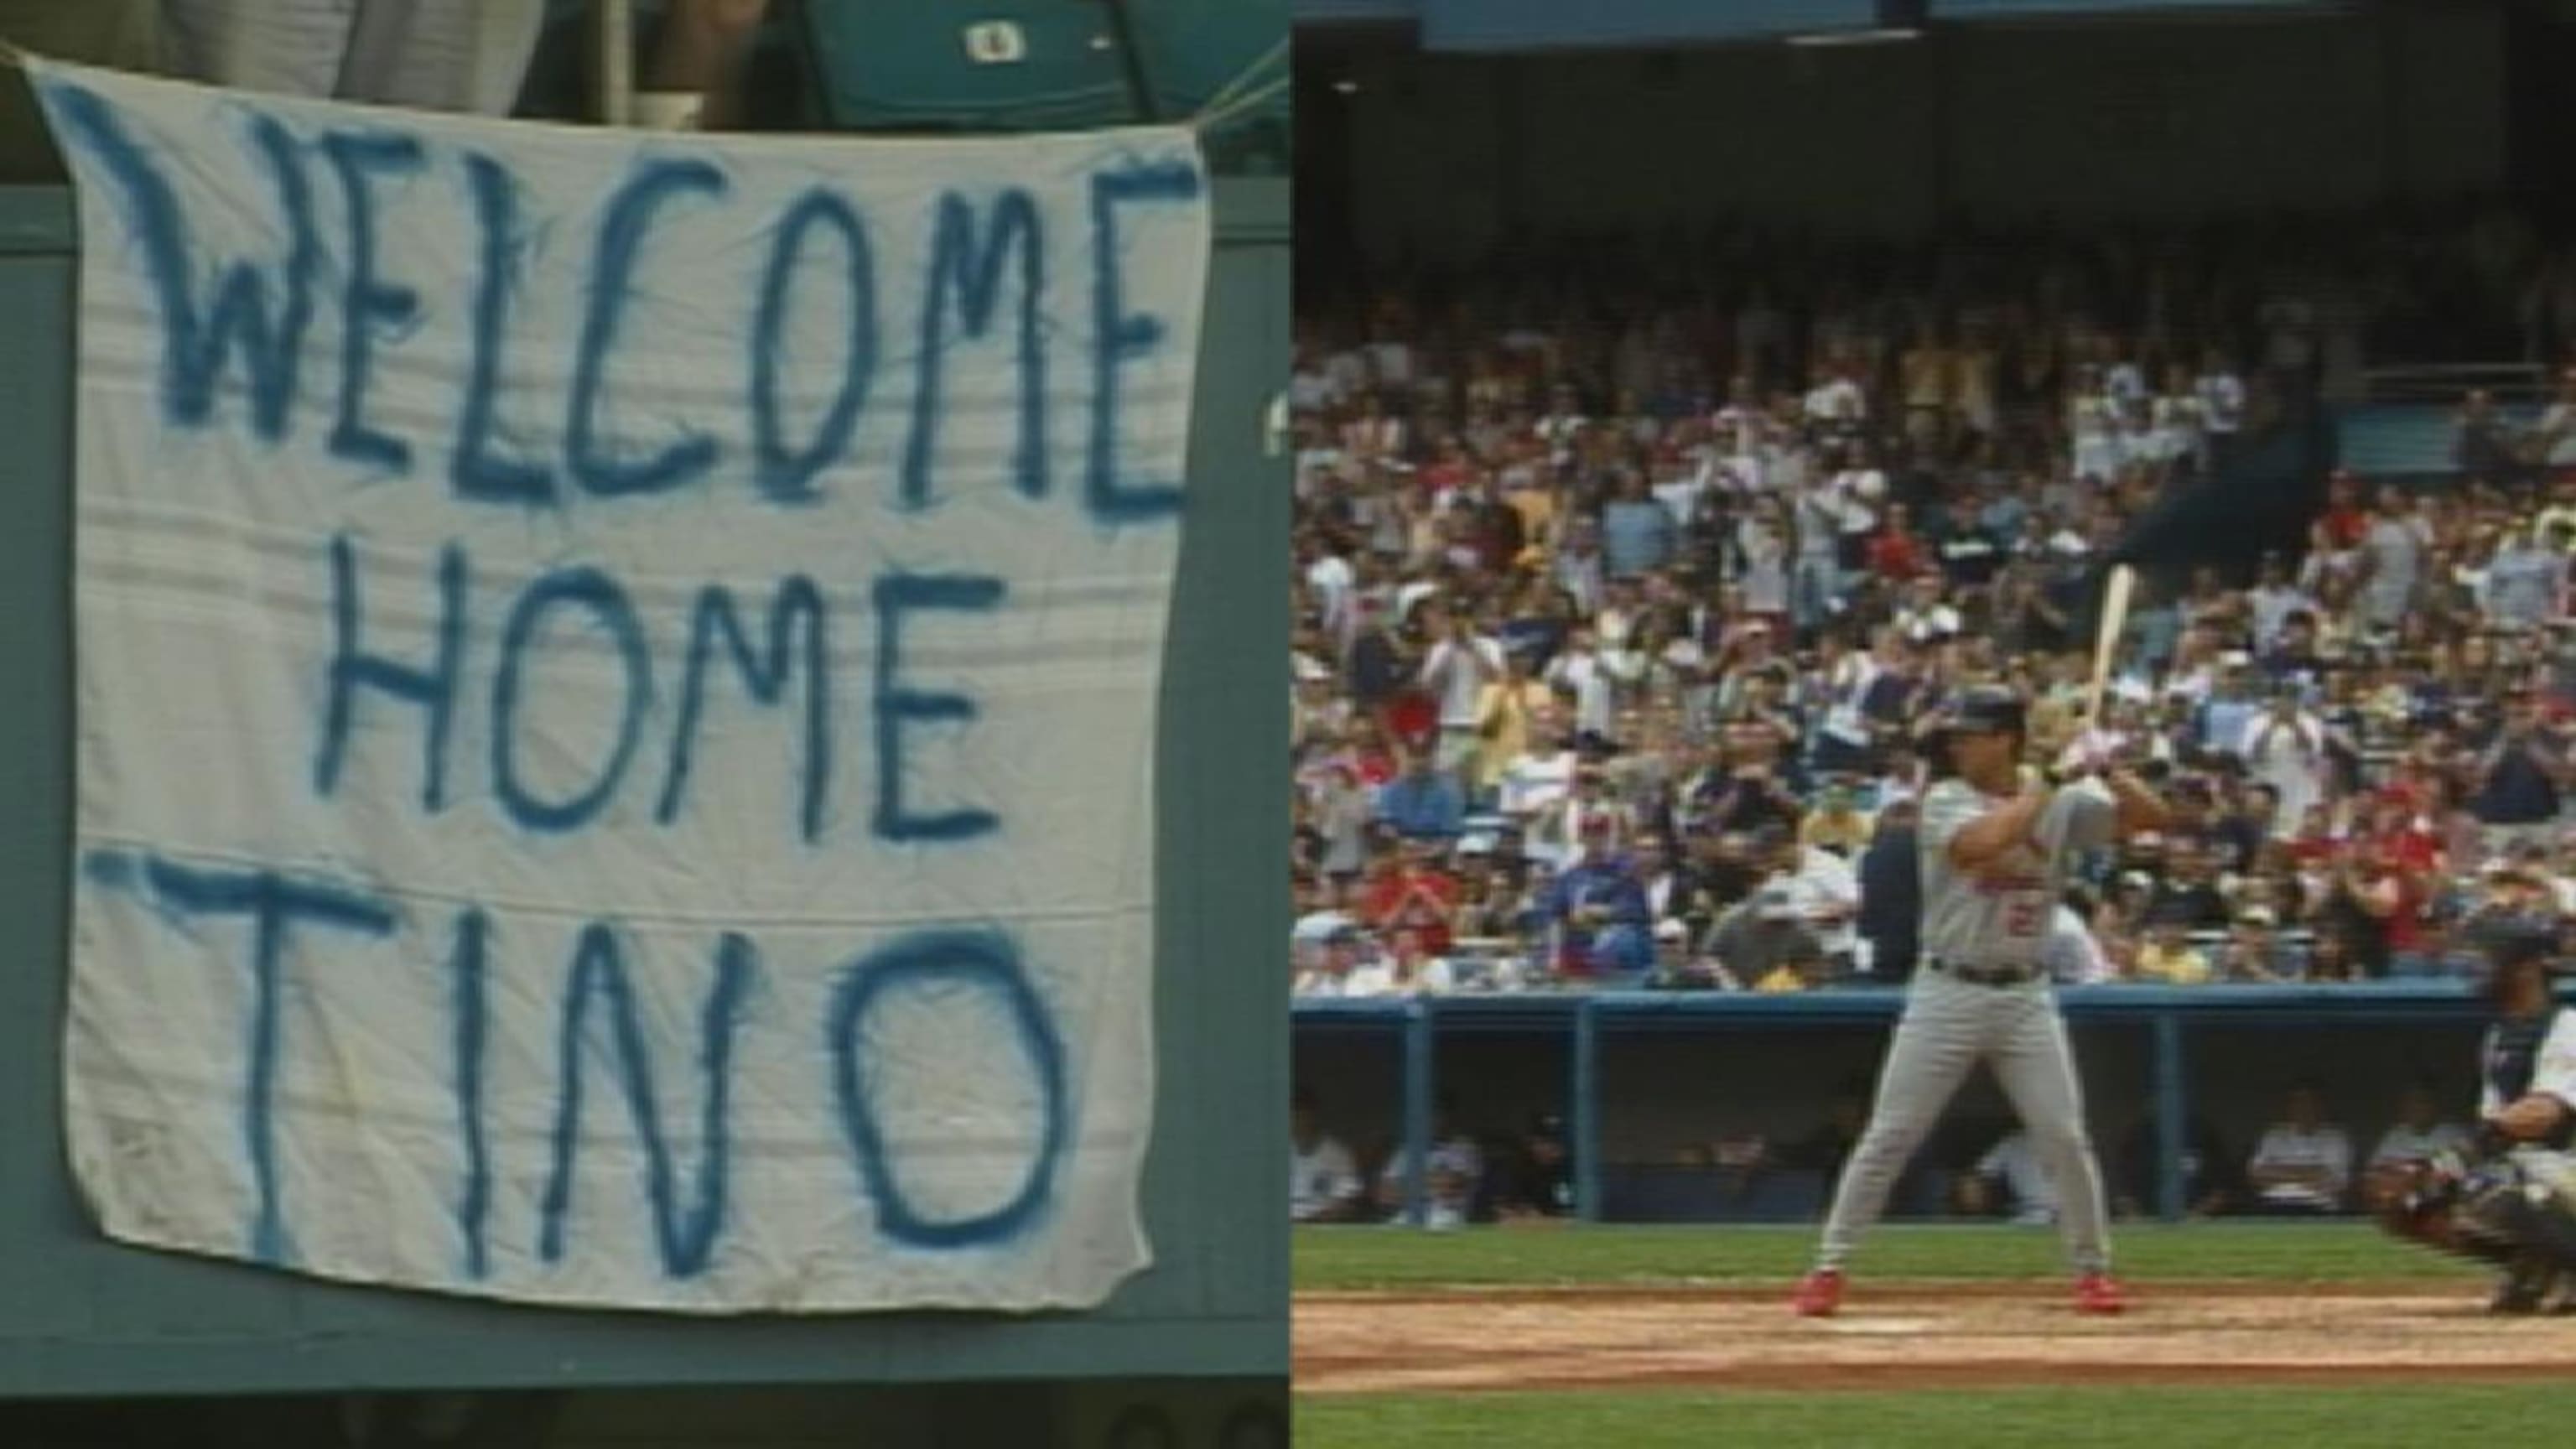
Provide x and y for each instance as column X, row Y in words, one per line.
column 2347, row 519
column 1369, row 755
column 1448, row 473
column 1416, row 895
column 2407, row 932
column 1895, row 554
column 2402, row 838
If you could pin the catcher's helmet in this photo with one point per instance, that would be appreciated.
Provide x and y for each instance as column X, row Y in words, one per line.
column 1985, row 709
column 2512, row 944
column 2512, row 939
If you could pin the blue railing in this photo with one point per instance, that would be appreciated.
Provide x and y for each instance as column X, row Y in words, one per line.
column 2165, row 1011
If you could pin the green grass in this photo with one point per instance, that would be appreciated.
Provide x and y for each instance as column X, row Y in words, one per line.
column 1378, row 1257
column 2398, row 1418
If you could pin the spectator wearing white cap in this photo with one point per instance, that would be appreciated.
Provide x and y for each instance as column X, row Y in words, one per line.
column 2285, row 747
column 2394, row 546
column 2252, row 954
column 2524, row 582
column 2303, row 1163
column 1323, row 1181
column 1456, row 669
column 2419, row 1132
column 2272, row 600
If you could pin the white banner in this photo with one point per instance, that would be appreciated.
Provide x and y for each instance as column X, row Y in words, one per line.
column 617, row 684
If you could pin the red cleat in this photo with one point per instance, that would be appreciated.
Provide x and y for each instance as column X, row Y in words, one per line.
column 2096, row 1293
column 1819, row 1294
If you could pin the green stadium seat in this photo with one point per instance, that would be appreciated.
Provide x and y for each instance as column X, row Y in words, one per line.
column 1025, row 65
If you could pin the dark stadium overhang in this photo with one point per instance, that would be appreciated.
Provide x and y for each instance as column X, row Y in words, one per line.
column 1506, row 26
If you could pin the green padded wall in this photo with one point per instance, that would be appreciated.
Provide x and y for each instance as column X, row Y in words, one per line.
column 80, row 1316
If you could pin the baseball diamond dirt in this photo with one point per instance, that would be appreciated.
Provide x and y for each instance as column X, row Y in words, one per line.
column 1895, row 1335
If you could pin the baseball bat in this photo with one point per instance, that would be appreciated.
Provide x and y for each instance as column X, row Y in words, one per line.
column 2106, row 639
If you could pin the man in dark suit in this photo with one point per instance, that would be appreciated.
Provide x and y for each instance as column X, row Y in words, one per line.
column 1891, row 895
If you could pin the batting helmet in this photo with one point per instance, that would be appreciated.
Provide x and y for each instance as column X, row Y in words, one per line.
column 1986, row 709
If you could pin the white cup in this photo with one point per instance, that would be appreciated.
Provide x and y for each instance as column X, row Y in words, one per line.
column 670, row 110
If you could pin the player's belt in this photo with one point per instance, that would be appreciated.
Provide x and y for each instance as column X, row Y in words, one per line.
column 1976, row 975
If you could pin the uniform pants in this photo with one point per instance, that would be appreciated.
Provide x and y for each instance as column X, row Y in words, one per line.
column 2551, row 1169
column 1948, row 1027
column 433, row 55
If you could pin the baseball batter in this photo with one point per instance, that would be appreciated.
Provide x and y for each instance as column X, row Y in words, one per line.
column 1996, row 843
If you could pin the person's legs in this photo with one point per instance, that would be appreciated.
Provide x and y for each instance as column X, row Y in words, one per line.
column 277, row 47
column 1810, row 591
column 1457, row 754
column 2036, row 1069
column 467, row 56
column 1936, row 1041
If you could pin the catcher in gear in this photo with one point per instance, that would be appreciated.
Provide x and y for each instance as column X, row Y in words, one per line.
column 2510, row 1198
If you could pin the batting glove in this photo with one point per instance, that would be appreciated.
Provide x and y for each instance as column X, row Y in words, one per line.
column 2090, row 753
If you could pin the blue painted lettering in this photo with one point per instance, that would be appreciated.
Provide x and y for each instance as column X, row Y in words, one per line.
column 470, row 962
column 368, row 303
column 275, row 905
column 798, row 601
column 593, row 590
column 1120, row 337
column 973, row 276
column 478, row 474
column 685, row 1236
column 621, row 243
column 934, row 960
column 897, row 706
column 784, row 474
column 196, row 343
column 433, row 688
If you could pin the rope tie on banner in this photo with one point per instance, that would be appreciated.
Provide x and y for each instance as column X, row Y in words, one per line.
column 1240, row 94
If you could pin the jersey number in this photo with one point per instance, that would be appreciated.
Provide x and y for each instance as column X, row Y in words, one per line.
column 2022, row 917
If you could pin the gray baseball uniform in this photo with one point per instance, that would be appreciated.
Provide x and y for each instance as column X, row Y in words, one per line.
column 1991, row 923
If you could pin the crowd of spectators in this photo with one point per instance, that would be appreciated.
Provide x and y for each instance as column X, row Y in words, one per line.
column 1619, row 600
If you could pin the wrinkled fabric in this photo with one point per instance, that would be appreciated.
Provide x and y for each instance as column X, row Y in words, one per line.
column 615, row 751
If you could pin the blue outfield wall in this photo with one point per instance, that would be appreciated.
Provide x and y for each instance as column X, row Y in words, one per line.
column 80, row 1316
column 1636, row 1072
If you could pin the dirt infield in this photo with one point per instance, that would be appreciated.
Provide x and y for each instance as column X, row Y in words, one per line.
column 1918, row 1335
